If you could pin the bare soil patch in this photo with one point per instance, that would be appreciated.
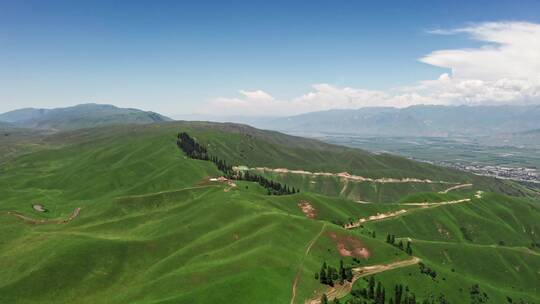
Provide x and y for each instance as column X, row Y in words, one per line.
column 349, row 246
column 308, row 209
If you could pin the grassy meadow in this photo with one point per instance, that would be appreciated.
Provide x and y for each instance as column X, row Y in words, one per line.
column 153, row 228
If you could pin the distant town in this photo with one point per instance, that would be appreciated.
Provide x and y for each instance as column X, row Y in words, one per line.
column 514, row 173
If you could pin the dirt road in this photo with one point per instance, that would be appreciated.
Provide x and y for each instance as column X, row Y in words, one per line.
column 391, row 214
column 347, row 176
column 455, row 188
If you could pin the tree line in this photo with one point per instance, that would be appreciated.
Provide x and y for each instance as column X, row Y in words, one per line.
column 195, row 150
column 375, row 293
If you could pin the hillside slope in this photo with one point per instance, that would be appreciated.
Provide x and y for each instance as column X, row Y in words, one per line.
column 241, row 145
column 131, row 219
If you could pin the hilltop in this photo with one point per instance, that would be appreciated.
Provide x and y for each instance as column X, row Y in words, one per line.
column 78, row 117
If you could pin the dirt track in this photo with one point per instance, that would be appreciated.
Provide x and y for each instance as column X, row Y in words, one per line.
column 339, row 291
column 376, row 217
column 32, row 221
column 455, row 188
column 383, row 216
column 299, row 271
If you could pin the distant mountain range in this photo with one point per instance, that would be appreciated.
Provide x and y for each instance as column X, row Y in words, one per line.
column 422, row 120
column 77, row 117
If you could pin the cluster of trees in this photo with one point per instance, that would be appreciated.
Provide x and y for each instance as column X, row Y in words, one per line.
column 273, row 188
column 191, row 147
column 196, row 151
column 375, row 293
column 391, row 239
column 426, row 270
column 477, row 296
column 328, row 274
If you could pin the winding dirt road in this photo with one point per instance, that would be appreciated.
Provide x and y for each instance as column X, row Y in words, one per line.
column 392, row 214
column 346, row 176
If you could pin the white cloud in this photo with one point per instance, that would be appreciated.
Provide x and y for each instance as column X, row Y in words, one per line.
column 512, row 51
column 506, row 69
column 256, row 95
column 322, row 97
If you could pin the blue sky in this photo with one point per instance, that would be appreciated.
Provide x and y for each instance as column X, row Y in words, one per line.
column 181, row 57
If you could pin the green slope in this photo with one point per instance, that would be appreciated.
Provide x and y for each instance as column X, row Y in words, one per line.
column 244, row 145
column 151, row 228
column 154, row 229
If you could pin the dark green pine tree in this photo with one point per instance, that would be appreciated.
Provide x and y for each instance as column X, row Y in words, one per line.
column 324, row 299
column 398, row 294
column 379, row 297
column 371, row 289
column 342, row 274
column 349, row 274
column 409, row 248
column 322, row 276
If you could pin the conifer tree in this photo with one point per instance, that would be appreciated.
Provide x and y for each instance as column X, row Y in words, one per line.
column 371, row 291
column 409, row 249
column 324, row 299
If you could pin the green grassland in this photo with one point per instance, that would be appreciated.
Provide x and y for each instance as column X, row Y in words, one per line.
column 153, row 229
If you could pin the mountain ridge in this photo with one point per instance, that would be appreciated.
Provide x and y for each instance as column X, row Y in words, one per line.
column 417, row 120
column 78, row 116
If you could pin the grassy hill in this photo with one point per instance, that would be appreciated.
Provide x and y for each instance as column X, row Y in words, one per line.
column 153, row 228
column 243, row 145
column 78, row 117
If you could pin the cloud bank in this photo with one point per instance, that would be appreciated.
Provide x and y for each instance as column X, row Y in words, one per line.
column 504, row 70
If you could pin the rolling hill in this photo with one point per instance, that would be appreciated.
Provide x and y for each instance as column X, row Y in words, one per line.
column 130, row 218
column 78, row 117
